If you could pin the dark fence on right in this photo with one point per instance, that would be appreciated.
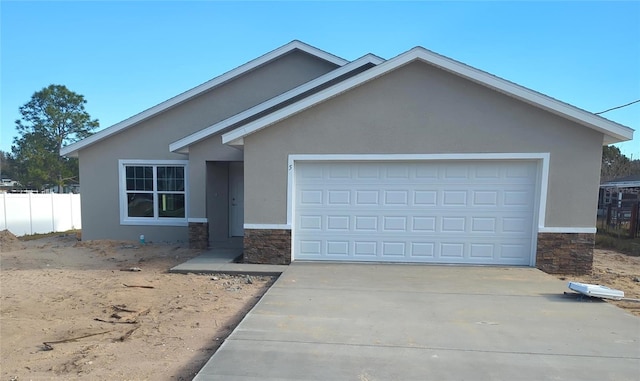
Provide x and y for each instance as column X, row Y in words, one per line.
column 622, row 219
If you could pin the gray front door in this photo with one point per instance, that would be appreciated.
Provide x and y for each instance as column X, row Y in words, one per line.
column 236, row 199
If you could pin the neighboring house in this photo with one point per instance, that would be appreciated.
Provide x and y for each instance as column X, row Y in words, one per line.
column 6, row 182
column 67, row 188
column 619, row 191
column 307, row 156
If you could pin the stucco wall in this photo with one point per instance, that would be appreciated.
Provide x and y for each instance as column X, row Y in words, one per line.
column 150, row 139
column 420, row 109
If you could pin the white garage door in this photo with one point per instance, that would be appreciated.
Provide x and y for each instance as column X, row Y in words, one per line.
column 478, row 212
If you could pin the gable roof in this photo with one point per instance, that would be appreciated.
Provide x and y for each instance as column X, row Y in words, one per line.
column 72, row 149
column 613, row 132
column 183, row 144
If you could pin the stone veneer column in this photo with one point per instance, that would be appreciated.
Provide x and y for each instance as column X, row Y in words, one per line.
column 565, row 253
column 267, row 246
column 198, row 235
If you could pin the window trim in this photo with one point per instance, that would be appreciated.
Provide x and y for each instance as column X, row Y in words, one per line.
column 151, row 221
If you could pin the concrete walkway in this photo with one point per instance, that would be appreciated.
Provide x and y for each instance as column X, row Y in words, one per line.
column 224, row 261
column 407, row 322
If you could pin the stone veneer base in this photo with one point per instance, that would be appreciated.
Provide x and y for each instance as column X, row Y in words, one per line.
column 267, row 246
column 565, row 253
column 198, row 235
column 557, row 253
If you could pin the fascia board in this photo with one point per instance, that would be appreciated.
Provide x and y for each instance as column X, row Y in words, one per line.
column 613, row 132
column 296, row 44
column 182, row 145
column 71, row 150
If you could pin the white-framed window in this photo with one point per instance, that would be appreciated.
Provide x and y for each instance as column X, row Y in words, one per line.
column 153, row 192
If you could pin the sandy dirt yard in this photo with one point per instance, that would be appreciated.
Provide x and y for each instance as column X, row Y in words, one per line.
column 614, row 270
column 68, row 311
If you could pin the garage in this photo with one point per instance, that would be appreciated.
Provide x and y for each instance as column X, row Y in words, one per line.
column 434, row 211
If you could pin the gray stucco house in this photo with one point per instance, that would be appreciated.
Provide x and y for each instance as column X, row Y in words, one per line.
column 303, row 155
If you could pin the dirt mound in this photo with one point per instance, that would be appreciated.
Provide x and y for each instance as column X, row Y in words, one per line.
column 9, row 242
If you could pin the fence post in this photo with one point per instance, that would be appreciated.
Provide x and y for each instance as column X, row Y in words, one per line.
column 633, row 223
column 30, row 214
column 71, row 211
column 53, row 213
column 4, row 211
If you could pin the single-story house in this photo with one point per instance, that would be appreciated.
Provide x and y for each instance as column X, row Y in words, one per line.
column 302, row 155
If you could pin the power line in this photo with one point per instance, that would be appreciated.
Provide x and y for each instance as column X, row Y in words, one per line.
column 617, row 107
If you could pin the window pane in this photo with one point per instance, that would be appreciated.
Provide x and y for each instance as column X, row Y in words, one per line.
column 171, row 205
column 139, row 178
column 171, row 178
column 140, row 204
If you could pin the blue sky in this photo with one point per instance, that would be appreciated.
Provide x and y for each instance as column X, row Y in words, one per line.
column 125, row 57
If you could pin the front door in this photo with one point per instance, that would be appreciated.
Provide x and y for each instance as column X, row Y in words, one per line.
column 236, row 199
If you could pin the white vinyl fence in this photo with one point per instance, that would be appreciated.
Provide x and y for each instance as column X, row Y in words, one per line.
column 32, row 213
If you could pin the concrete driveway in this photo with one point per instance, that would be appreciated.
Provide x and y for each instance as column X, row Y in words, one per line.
column 369, row 322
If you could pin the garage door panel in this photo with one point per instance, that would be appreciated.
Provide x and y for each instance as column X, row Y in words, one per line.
column 445, row 212
column 338, row 197
column 365, row 249
column 514, row 198
column 398, row 172
column 482, row 251
column 366, row 198
column 429, row 173
column 310, row 222
column 310, row 197
column 337, row 248
column 485, row 198
column 414, row 222
column 365, row 224
column 422, row 249
column 336, row 172
column 425, row 198
column 484, row 224
column 393, row 224
column 464, row 171
column 424, row 224
column 412, row 251
column 441, row 249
